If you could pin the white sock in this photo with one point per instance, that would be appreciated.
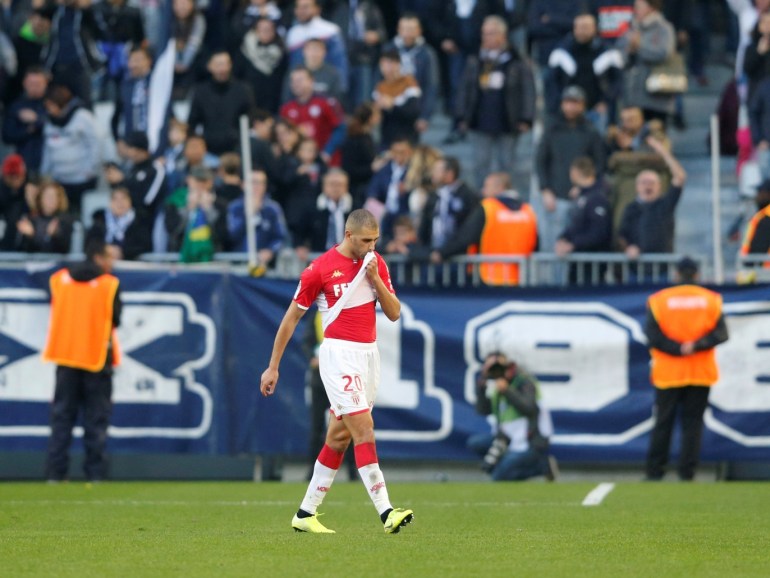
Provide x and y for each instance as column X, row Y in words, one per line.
column 316, row 490
column 374, row 482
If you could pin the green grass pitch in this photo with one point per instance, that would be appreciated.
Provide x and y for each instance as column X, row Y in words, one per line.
column 243, row 529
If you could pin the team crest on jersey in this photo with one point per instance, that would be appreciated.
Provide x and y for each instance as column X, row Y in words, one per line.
column 337, row 273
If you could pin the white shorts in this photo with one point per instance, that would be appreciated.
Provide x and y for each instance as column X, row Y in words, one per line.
column 350, row 372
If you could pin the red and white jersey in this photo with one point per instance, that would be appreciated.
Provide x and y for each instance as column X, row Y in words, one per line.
column 325, row 280
column 316, row 118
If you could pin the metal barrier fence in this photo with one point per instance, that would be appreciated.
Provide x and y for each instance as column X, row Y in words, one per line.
column 539, row 269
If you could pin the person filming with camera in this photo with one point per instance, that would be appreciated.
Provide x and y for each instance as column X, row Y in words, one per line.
column 518, row 448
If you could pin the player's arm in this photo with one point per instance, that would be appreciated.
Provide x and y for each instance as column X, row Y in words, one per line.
column 390, row 304
column 288, row 324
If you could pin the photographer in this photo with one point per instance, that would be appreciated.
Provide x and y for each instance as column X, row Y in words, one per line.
column 519, row 447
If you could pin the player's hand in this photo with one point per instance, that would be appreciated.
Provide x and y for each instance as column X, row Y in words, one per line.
column 372, row 270
column 268, row 381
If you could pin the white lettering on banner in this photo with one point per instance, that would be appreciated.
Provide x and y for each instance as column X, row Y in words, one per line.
column 744, row 360
column 146, row 318
column 395, row 392
column 559, row 343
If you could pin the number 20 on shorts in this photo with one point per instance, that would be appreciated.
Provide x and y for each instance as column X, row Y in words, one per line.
column 352, row 383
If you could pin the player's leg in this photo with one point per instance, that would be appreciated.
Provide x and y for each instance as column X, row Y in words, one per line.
column 361, row 427
column 325, row 469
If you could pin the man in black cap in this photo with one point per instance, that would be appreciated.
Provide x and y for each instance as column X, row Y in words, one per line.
column 684, row 325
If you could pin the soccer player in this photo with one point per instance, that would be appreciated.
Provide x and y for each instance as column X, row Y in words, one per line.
column 346, row 282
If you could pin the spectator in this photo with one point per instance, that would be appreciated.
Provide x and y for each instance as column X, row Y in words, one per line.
column 759, row 122
column 317, row 117
column 518, row 449
column 583, row 60
column 363, row 28
column 230, row 185
column 132, row 105
column 12, row 199
column 326, row 79
column 567, row 138
column 302, row 184
column 747, row 12
column 173, row 157
column 458, row 27
column 261, row 62
column 690, row 19
column 631, row 155
column 119, row 29
column 286, row 139
column 188, row 28
column 419, row 179
column 647, row 225
column 418, row 59
column 501, row 225
column 358, row 151
column 198, row 228
column 324, row 223
column 267, row 220
column 684, row 325
column 447, row 209
column 246, row 19
column 388, row 195
column 549, row 21
column 218, row 104
column 262, row 157
column 309, row 24
column 29, row 45
column 49, row 229
column 398, row 98
column 145, row 182
column 71, row 147
column 71, row 54
column 650, row 41
column 756, row 240
column 589, row 229
column 496, row 100
column 405, row 240
column 128, row 234
column 24, row 120
column 756, row 64
column 196, row 154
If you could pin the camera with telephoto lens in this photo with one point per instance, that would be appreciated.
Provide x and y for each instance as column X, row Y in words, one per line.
column 496, row 370
column 495, row 452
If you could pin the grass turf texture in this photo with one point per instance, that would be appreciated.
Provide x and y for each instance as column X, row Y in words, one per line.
column 244, row 529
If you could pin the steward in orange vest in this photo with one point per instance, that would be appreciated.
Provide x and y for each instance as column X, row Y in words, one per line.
column 502, row 225
column 756, row 241
column 85, row 310
column 684, row 325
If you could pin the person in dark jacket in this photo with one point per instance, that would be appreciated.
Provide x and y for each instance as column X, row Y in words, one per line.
column 589, row 229
column 496, row 101
column 119, row 29
column 647, row 224
column 128, row 233
column 756, row 63
column 217, row 105
column 261, row 61
column 324, row 224
column 447, row 209
column 358, row 150
column 567, row 138
column 132, row 105
column 72, row 53
column 418, row 59
column 146, row 180
column 29, row 44
column 24, row 120
column 49, row 228
column 13, row 203
column 85, row 354
column 398, row 97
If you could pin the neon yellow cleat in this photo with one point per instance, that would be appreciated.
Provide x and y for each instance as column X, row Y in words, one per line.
column 310, row 525
column 398, row 518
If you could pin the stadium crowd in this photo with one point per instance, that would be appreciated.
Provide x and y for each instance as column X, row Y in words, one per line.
column 339, row 108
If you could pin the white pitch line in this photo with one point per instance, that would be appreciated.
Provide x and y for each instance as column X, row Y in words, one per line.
column 597, row 495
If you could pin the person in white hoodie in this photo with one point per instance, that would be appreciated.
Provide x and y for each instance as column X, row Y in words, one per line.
column 71, row 144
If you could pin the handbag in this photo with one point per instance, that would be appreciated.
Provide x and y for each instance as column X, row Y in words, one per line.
column 668, row 77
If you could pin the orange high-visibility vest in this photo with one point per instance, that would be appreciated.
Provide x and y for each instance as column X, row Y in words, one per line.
column 751, row 230
column 506, row 232
column 685, row 313
column 81, row 322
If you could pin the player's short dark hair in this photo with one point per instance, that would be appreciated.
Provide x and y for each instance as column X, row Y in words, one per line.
column 585, row 166
column 391, row 54
column 361, row 219
column 452, row 164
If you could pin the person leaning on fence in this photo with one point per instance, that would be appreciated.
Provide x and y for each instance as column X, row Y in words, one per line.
column 519, row 447
column 684, row 325
column 501, row 225
column 85, row 310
